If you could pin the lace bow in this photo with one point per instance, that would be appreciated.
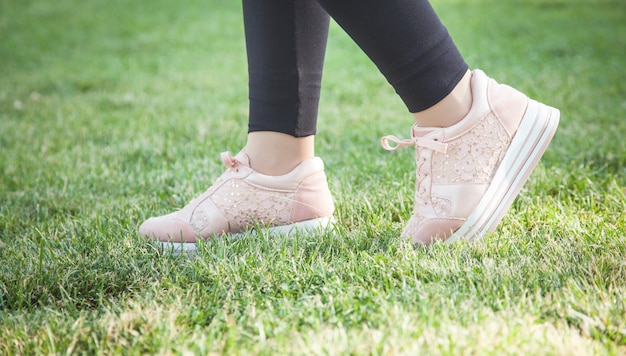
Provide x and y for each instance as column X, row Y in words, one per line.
column 423, row 142
column 229, row 161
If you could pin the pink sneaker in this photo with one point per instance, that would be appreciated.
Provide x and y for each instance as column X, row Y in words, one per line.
column 242, row 199
column 468, row 174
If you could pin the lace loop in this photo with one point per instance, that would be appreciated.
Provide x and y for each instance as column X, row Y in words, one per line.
column 384, row 141
column 228, row 160
column 414, row 141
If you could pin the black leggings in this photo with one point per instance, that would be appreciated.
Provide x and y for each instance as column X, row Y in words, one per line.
column 286, row 43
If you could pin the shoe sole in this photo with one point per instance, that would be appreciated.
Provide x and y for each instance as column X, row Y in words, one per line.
column 528, row 145
column 307, row 226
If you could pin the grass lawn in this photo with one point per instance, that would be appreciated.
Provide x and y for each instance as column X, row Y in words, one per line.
column 113, row 111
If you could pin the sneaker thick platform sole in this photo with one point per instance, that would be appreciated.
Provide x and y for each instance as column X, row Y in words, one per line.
column 528, row 145
column 308, row 226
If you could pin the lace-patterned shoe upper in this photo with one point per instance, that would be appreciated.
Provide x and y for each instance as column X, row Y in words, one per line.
column 468, row 174
column 243, row 198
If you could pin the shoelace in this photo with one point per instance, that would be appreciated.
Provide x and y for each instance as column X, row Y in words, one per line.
column 229, row 161
column 420, row 143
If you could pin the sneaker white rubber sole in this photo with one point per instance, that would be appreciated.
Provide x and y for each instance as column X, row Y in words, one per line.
column 528, row 145
column 307, row 226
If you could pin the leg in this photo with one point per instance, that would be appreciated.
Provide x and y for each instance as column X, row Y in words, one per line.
column 412, row 49
column 286, row 42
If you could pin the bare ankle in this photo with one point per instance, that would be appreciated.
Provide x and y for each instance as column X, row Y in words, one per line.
column 275, row 153
column 450, row 109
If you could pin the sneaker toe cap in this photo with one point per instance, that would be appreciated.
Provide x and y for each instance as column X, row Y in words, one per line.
column 168, row 229
column 427, row 231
